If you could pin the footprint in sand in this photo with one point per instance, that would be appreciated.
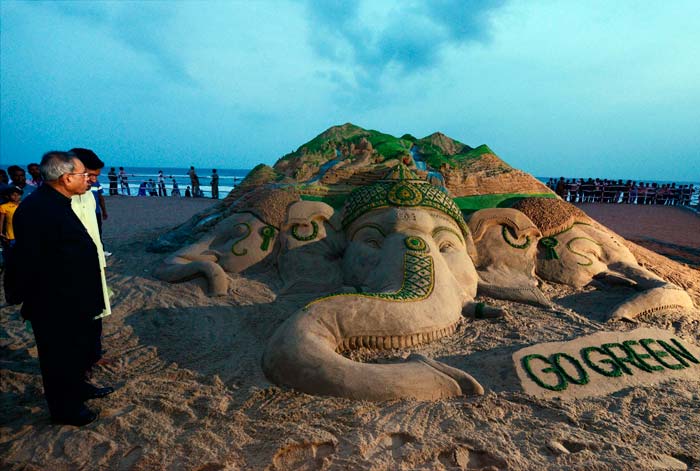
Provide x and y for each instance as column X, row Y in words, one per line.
column 392, row 443
column 303, row 456
column 471, row 460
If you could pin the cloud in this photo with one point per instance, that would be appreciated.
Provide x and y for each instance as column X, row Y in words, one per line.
column 373, row 38
column 142, row 29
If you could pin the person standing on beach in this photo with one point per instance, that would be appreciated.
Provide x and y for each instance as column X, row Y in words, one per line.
column 60, row 259
column 87, row 208
column 194, row 180
column 19, row 179
column 214, row 184
column 33, row 170
column 124, row 181
column 162, row 191
column 112, row 177
column 176, row 189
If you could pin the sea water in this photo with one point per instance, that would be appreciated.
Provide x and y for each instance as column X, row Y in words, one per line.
column 228, row 179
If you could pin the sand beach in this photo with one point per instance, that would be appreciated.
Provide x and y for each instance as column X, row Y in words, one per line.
column 191, row 393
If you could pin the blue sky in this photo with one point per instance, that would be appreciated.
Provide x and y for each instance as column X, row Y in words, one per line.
column 595, row 88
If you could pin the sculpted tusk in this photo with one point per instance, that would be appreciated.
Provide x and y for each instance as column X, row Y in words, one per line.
column 482, row 311
column 527, row 295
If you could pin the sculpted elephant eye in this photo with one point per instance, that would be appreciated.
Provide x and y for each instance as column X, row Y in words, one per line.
column 374, row 243
column 447, row 239
column 370, row 235
column 447, row 246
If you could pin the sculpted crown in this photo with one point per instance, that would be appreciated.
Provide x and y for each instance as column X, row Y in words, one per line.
column 400, row 187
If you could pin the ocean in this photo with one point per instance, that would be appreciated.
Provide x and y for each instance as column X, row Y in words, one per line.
column 228, row 178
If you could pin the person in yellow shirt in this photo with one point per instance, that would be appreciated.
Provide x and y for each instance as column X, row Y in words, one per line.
column 7, row 211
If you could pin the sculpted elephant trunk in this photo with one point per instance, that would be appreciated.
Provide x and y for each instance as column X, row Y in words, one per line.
column 304, row 352
column 655, row 293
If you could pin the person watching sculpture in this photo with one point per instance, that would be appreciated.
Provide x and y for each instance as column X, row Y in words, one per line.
column 58, row 254
column 85, row 207
column 19, row 179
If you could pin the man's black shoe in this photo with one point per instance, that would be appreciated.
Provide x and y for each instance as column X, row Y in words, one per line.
column 96, row 393
column 84, row 417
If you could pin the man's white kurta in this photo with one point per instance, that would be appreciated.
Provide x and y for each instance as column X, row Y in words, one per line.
column 84, row 207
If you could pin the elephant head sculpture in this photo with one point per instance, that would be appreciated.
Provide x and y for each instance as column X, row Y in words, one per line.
column 408, row 265
column 575, row 250
column 245, row 239
column 506, row 245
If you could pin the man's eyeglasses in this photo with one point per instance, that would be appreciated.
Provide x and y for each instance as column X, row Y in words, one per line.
column 83, row 174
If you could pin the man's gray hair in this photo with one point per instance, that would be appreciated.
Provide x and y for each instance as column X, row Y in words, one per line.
column 56, row 163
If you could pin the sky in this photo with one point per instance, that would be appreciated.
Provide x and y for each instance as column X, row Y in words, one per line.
column 579, row 89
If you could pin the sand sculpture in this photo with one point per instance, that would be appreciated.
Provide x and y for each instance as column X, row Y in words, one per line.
column 575, row 251
column 246, row 238
column 506, row 243
column 408, row 278
column 393, row 264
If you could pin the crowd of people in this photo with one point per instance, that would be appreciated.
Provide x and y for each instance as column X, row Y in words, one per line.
column 119, row 184
column 616, row 191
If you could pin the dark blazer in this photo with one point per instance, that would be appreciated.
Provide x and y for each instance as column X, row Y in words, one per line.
column 57, row 263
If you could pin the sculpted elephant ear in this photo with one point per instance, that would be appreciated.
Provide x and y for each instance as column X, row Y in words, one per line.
column 506, row 245
column 307, row 222
column 311, row 246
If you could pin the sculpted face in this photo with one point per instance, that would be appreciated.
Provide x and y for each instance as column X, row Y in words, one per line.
column 506, row 244
column 237, row 243
column 377, row 240
column 408, row 276
column 242, row 240
column 575, row 256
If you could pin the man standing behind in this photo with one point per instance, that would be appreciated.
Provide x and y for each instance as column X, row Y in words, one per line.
column 124, row 181
column 194, row 179
column 162, row 191
column 214, row 184
column 87, row 208
column 112, row 177
column 33, row 170
column 19, row 179
column 60, row 259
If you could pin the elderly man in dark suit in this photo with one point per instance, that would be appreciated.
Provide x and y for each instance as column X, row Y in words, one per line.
column 60, row 285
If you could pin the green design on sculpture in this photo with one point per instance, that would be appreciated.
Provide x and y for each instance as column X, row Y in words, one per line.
column 244, row 237
column 376, row 227
column 549, row 243
column 267, row 233
column 447, row 229
column 561, row 381
column 479, row 311
column 583, row 377
column 403, row 194
column 312, row 236
column 568, row 246
column 416, row 243
column 401, row 188
column 506, row 234
column 418, row 281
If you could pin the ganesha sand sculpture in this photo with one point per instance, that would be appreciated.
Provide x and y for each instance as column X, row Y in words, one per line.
column 576, row 250
column 408, row 262
column 246, row 239
column 506, row 244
